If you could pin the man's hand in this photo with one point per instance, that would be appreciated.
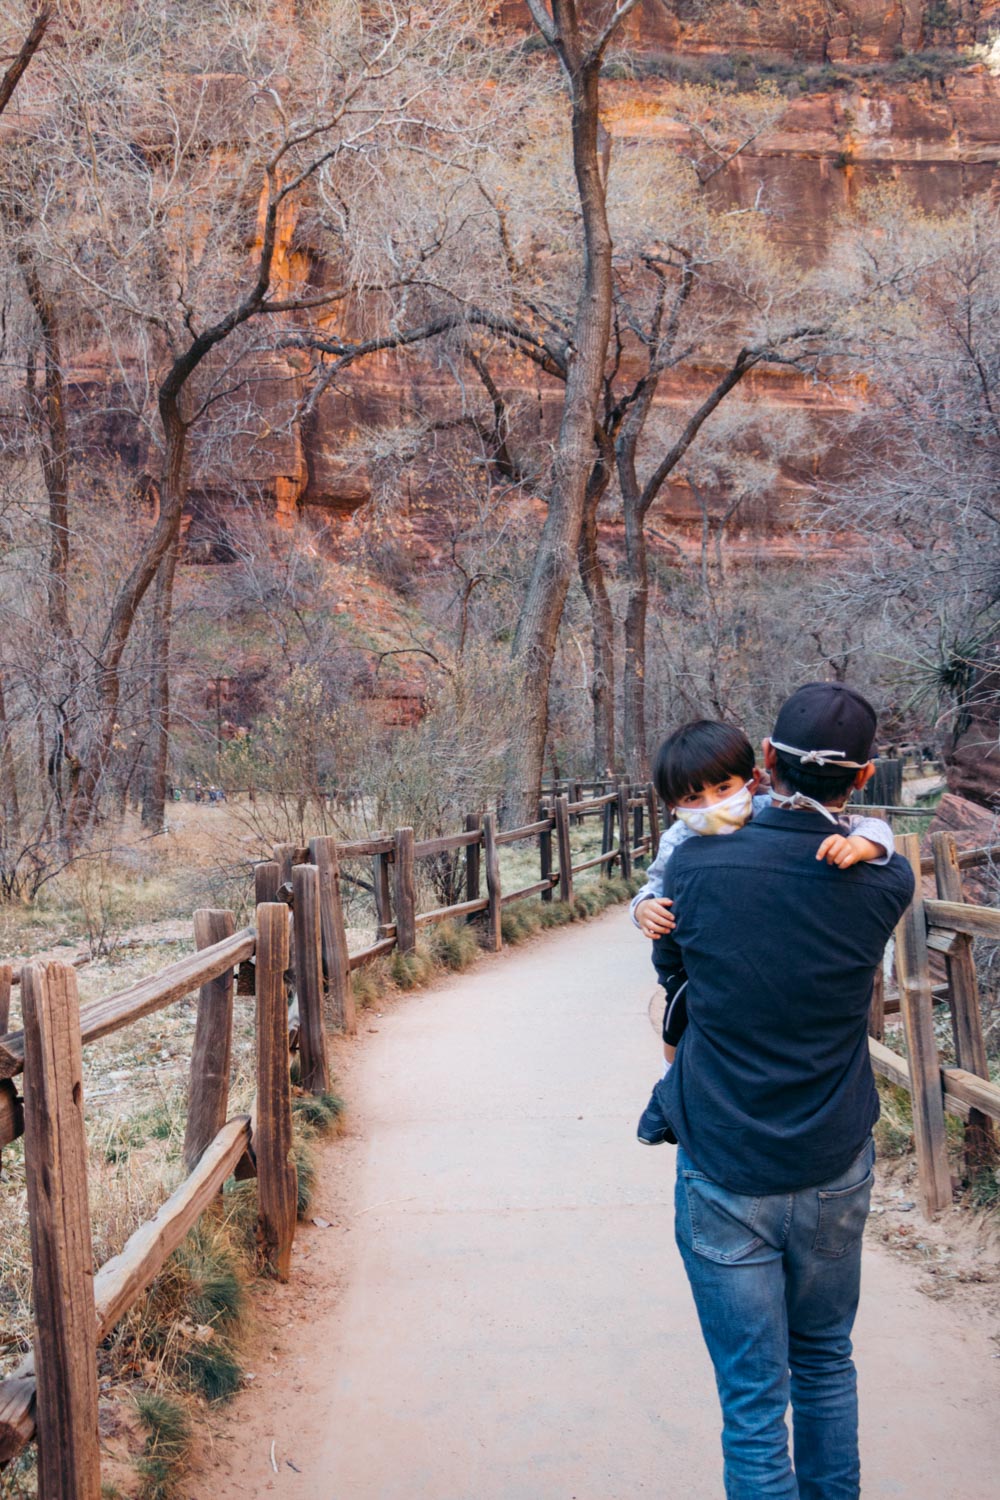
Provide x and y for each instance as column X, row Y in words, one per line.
column 655, row 917
column 845, row 852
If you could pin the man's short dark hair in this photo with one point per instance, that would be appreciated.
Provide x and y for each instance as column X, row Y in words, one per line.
column 698, row 755
column 826, row 787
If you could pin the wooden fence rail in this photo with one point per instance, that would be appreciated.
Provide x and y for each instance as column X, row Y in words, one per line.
column 298, row 942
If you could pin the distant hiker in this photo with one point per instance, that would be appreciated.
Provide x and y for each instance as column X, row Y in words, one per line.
column 772, row 1100
column 706, row 775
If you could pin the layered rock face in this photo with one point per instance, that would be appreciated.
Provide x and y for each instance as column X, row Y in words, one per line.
column 820, row 30
column 939, row 134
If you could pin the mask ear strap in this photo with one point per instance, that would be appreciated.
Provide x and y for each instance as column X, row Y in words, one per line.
column 799, row 799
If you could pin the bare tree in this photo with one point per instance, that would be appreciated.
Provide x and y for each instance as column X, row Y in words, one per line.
column 154, row 210
column 921, row 494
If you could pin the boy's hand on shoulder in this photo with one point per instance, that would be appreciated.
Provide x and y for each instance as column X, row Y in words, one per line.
column 654, row 916
column 845, row 851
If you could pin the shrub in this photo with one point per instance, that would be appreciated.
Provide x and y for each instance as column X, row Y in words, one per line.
column 167, row 1445
column 454, row 946
column 317, row 1113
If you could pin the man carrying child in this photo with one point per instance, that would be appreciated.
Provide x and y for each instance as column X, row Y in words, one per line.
column 772, row 1100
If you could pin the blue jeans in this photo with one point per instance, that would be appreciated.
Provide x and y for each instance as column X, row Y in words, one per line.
column 776, row 1282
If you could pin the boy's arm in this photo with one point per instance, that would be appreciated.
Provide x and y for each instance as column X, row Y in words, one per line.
column 869, row 841
column 656, row 873
column 876, row 831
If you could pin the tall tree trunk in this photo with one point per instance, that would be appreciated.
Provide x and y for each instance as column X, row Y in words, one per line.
column 154, row 790
column 49, row 419
column 602, row 685
column 173, row 490
column 538, row 625
column 636, row 501
column 634, row 673
column 9, row 803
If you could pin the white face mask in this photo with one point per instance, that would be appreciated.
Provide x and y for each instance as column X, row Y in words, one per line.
column 721, row 817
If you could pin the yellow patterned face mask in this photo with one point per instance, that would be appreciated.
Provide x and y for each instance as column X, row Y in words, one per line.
column 720, row 817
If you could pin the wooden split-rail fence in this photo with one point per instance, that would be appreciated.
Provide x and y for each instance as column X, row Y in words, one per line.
column 52, row 1396
column 944, row 926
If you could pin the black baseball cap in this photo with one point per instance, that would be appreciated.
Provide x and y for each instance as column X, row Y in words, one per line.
column 826, row 717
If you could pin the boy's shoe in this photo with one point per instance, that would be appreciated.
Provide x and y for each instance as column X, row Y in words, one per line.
column 654, row 1127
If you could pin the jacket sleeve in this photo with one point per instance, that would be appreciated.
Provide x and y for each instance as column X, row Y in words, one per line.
column 656, row 873
column 878, row 832
column 668, row 962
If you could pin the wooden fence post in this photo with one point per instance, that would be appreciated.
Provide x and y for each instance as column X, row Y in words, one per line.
column 277, row 1186
column 963, row 994
column 314, row 1069
column 491, row 858
column 336, row 966
column 473, row 824
column 406, row 892
column 266, row 880
column 286, row 856
column 608, row 835
column 577, row 791
column 545, row 852
column 876, row 1010
column 637, row 818
column 563, row 846
column 208, row 1091
column 62, row 1255
column 6, row 976
column 623, row 831
column 653, row 813
column 917, row 1008
column 383, row 896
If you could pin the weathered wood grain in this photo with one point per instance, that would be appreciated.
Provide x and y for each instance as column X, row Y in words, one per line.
column 266, row 880
column 917, row 1009
column 62, row 1256
column 491, row 859
column 459, row 909
column 314, row 1068
column 963, row 999
column 545, row 828
column 334, row 937
column 211, row 1051
column 624, row 849
column 276, row 1177
column 11, row 1113
column 405, row 891
column 565, row 851
column 978, row 921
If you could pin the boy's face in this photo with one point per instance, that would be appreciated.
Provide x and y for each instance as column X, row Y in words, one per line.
column 718, row 791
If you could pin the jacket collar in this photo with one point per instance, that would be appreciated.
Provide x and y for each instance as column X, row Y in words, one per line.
column 794, row 820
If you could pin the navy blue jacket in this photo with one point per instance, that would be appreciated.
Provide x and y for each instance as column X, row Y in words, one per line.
column 772, row 1089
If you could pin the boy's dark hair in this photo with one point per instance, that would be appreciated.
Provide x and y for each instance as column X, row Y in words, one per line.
column 825, row 786
column 701, row 754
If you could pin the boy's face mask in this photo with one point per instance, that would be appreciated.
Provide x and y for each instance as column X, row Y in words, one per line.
column 719, row 817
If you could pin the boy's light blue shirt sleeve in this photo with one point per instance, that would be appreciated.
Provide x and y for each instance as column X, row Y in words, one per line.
column 676, row 834
column 878, row 831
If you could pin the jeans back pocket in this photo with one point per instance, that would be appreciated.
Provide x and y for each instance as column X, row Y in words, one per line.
column 842, row 1215
column 722, row 1223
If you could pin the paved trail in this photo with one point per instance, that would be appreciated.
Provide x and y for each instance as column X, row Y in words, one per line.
column 498, row 1312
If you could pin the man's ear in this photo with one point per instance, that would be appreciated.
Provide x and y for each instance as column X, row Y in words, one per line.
column 864, row 775
column 770, row 755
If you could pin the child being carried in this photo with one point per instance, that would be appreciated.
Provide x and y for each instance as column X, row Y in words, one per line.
column 705, row 774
